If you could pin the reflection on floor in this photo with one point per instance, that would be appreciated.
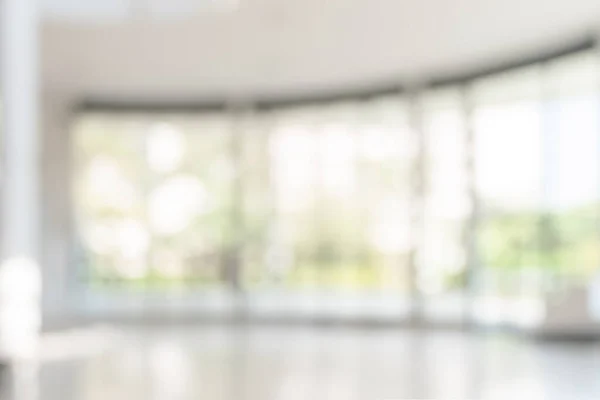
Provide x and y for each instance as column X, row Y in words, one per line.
column 262, row 363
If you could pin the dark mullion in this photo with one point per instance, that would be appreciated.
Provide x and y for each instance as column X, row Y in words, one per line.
column 417, row 204
column 233, row 252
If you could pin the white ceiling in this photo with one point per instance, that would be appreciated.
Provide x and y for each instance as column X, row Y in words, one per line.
column 119, row 10
column 272, row 46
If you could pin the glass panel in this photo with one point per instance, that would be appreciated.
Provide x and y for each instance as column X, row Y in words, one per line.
column 572, row 196
column 338, row 223
column 153, row 199
column 113, row 234
column 190, row 203
column 386, row 160
column 257, row 205
column 442, row 261
column 338, row 257
column 294, row 168
column 508, row 162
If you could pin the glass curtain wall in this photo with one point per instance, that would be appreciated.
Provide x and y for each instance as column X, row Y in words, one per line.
column 469, row 201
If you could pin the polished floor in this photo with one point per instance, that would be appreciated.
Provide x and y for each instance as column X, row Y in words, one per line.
column 292, row 363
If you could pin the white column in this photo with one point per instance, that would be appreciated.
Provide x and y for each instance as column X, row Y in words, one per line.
column 19, row 274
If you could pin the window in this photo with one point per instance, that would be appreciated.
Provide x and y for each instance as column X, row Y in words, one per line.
column 447, row 206
column 507, row 123
column 479, row 210
column 572, row 192
column 154, row 198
